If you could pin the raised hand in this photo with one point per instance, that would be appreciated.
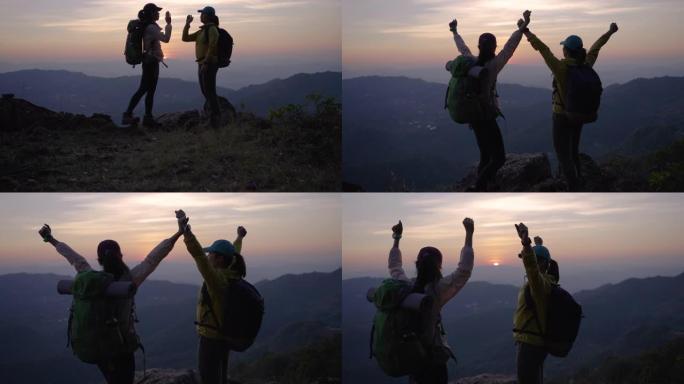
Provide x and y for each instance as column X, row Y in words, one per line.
column 397, row 229
column 188, row 19
column 613, row 28
column 45, row 232
column 452, row 25
column 469, row 225
column 520, row 24
column 241, row 231
column 523, row 234
column 526, row 20
column 183, row 225
column 168, row 17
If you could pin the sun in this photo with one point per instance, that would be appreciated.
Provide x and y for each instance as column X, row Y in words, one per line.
column 496, row 263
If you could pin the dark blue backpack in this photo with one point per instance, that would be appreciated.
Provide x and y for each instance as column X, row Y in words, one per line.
column 583, row 91
column 563, row 319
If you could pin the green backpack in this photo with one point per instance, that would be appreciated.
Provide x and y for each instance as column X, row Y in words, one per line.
column 396, row 333
column 463, row 98
column 100, row 328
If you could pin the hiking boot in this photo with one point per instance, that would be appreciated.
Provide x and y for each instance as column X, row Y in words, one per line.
column 129, row 119
column 149, row 122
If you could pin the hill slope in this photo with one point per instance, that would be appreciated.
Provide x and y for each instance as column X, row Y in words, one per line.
column 34, row 327
column 296, row 149
column 398, row 136
column 642, row 313
column 78, row 93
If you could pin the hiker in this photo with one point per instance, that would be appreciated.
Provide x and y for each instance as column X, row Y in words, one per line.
column 152, row 56
column 531, row 351
column 576, row 97
column 121, row 368
column 221, row 264
column 485, row 127
column 206, row 45
column 429, row 280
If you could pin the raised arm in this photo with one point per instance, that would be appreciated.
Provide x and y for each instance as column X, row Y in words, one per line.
column 460, row 44
column 79, row 262
column 534, row 276
column 166, row 36
column 140, row 272
column 450, row 285
column 209, row 274
column 593, row 52
column 394, row 263
column 511, row 45
column 241, row 233
column 551, row 61
column 187, row 37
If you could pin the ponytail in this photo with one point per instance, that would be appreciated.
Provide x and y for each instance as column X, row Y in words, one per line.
column 580, row 55
column 239, row 265
column 109, row 256
column 114, row 264
column 428, row 265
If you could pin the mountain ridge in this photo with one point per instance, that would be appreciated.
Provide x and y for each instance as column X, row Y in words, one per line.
column 643, row 313
column 397, row 135
column 76, row 92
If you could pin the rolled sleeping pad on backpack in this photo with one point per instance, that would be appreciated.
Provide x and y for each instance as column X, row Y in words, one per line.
column 117, row 289
column 413, row 302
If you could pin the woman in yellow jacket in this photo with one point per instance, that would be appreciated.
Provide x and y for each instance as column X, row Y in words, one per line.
column 527, row 329
column 206, row 43
column 566, row 133
column 218, row 265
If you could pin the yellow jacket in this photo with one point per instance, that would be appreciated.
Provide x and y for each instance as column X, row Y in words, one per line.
column 204, row 48
column 540, row 287
column 559, row 68
column 216, row 281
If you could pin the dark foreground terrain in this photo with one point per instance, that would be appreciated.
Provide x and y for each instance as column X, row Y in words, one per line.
column 297, row 148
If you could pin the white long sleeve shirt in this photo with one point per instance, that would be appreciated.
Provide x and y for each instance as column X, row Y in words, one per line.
column 152, row 38
column 443, row 291
column 138, row 273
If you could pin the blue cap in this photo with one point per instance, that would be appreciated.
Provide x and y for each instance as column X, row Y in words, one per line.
column 542, row 253
column 572, row 42
column 223, row 247
column 208, row 10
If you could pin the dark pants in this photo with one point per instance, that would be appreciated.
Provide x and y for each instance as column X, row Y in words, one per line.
column 492, row 152
column 207, row 79
column 148, row 85
column 434, row 374
column 566, row 139
column 213, row 361
column 530, row 363
column 120, row 370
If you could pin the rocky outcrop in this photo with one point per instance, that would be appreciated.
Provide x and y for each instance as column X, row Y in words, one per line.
column 167, row 376
column 487, row 378
column 531, row 172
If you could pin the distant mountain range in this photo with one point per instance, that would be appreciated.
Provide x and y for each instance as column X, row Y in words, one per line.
column 78, row 93
column 621, row 319
column 301, row 310
column 396, row 131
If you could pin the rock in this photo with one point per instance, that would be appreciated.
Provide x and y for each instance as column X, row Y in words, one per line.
column 521, row 173
column 167, row 376
column 487, row 378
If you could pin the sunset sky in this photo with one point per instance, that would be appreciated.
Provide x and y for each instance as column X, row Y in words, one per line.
column 287, row 233
column 302, row 35
column 398, row 35
column 600, row 238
